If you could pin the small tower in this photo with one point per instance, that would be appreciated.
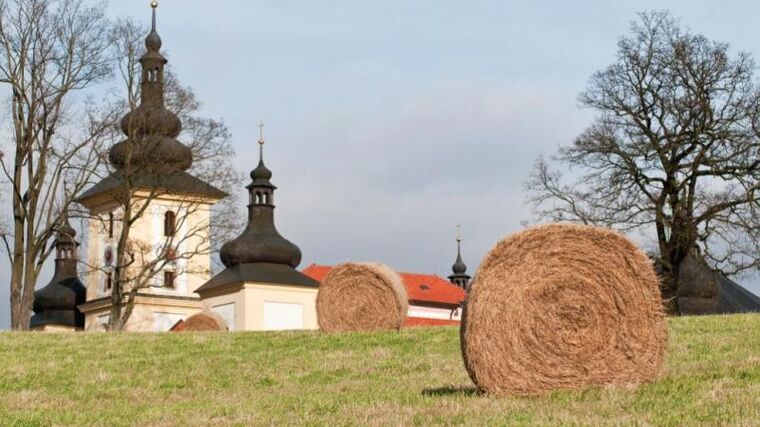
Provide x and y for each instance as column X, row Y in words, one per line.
column 260, row 242
column 260, row 288
column 460, row 277
column 55, row 305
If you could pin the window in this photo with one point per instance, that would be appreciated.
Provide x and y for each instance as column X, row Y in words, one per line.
column 109, row 280
column 110, row 225
column 170, row 225
column 169, row 279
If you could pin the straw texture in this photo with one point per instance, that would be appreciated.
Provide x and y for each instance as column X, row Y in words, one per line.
column 204, row 321
column 361, row 297
column 563, row 306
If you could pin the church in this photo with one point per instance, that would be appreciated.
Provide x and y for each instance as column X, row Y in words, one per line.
column 260, row 287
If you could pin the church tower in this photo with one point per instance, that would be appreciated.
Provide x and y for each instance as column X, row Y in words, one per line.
column 169, row 211
column 460, row 277
column 55, row 305
column 261, row 289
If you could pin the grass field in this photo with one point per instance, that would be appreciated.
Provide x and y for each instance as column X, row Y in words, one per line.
column 414, row 377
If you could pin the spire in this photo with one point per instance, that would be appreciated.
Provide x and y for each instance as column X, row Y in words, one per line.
column 150, row 128
column 460, row 277
column 260, row 242
column 261, row 175
column 153, row 41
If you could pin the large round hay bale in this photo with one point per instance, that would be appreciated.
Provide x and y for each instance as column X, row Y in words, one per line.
column 361, row 297
column 563, row 306
column 204, row 321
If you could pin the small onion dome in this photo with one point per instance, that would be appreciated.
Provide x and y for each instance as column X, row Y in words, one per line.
column 153, row 41
column 261, row 173
column 60, row 295
column 459, row 266
column 260, row 243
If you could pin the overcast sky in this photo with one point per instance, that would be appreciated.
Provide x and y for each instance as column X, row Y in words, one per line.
column 389, row 122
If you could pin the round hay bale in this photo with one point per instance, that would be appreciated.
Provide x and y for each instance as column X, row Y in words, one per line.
column 563, row 306
column 204, row 321
column 361, row 297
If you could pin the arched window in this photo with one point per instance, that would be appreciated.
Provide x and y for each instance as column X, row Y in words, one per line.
column 267, row 197
column 170, row 226
column 109, row 280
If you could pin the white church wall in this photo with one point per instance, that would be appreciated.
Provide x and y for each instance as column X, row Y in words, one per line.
column 226, row 312
column 260, row 297
column 282, row 316
column 433, row 313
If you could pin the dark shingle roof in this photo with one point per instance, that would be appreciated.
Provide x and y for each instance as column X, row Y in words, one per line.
column 176, row 183
column 259, row 272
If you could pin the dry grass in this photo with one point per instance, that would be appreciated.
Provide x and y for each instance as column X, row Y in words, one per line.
column 412, row 377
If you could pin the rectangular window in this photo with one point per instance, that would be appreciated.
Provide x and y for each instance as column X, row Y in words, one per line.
column 110, row 225
column 169, row 279
column 109, row 280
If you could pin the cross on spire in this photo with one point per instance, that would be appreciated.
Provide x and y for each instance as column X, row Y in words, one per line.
column 261, row 132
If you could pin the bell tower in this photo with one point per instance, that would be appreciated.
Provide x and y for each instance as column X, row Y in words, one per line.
column 169, row 213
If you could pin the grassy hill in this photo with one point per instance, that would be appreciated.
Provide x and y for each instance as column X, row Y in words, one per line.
column 414, row 377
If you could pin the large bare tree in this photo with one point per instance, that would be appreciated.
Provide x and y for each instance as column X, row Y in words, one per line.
column 674, row 151
column 50, row 53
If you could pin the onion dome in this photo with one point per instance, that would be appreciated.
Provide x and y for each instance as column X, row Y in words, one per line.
column 459, row 266
column 151, row 129
column 460, row 276
column 56, row 303
column 260, row 242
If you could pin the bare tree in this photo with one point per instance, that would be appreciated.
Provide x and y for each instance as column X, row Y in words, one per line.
column 50, row 52
column 674, row 151
column 138, row 264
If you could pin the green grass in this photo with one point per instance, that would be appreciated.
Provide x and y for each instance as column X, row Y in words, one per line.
column 413, row 377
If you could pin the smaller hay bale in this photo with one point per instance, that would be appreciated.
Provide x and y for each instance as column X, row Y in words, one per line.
column 361, row 297
column 204, row 321
column 563, row 306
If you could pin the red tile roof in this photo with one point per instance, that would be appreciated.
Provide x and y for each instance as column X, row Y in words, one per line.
column 421, row 321
column 420, row 287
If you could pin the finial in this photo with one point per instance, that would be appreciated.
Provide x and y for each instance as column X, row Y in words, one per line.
column 459, row 232
column 154, row 5
column 261, row 133
column 261, row 141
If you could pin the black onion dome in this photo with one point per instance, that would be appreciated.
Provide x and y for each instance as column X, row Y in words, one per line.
column 459, row 266
column 261, row 172
column 56, row 303
column 260, row 244
column 60, row 295
column 153, row 41
column 151, row 128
